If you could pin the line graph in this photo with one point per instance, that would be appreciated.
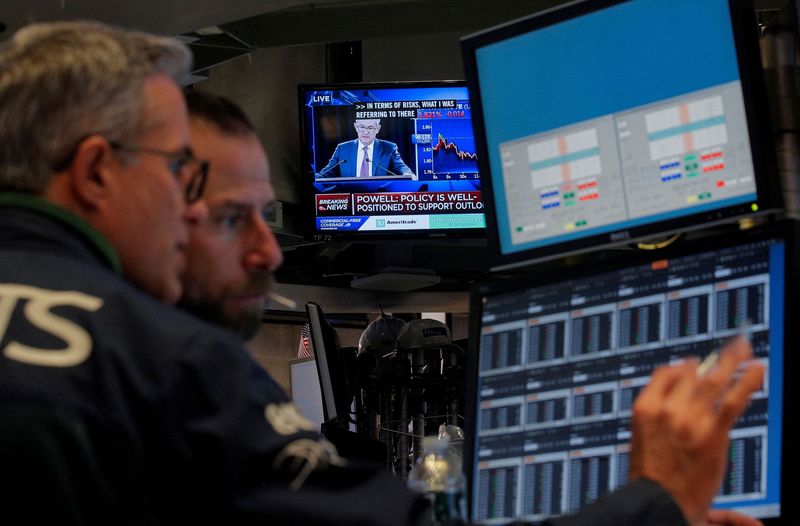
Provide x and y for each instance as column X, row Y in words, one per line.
column 443, row 144
column 455, row 147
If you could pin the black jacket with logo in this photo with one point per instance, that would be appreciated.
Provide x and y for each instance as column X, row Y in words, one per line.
column 176, row 424
column 117, row 409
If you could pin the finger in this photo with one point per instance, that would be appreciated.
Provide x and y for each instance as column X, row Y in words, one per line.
column 684, row 388
column 720, row 398
column 738, row 396
column 717, row 380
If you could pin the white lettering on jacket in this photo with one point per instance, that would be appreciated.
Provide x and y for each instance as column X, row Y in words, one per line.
column 303, row 456
column 37, row 311
column 286, row 419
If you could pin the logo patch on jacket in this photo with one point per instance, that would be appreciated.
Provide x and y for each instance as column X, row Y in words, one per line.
column 286, row 419
column 37, row 310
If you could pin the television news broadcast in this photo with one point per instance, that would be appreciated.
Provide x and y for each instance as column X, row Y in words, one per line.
column 419, row 174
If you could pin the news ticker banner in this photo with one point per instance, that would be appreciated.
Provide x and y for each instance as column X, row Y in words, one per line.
column 401, row 222
column 400, row 211
column 419, row 109
column 398, row 203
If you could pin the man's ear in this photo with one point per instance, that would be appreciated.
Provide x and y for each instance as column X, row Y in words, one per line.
column 90, row 169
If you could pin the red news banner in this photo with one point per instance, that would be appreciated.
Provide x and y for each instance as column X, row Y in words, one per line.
column 398, row 203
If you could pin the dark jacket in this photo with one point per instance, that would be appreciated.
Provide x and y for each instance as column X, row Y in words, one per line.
column 180, row 423
column 117, row 409
column 640, row 503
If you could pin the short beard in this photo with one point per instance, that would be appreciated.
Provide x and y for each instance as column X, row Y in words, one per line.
column 245, row 324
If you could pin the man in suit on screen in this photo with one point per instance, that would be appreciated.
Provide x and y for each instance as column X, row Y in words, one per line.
column 366, row 156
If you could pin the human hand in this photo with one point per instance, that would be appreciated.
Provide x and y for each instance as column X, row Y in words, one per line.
column 681, row 422
column 730, row 518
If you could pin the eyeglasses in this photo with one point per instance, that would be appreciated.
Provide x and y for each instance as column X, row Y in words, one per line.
column 179, row 163
column 361, row 128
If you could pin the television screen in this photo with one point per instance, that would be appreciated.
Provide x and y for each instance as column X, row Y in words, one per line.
column 610, row 121
column 388, row 159
column 556, row 364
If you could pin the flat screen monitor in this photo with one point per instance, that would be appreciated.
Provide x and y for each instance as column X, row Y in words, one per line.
column 608, row 121
column 556, row 364
column 419, row 177
column 336, row 398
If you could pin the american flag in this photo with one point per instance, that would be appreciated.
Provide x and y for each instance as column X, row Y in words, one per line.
column 304, row 350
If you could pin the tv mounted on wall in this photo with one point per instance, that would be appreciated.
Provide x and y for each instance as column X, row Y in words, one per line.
column 419, row 177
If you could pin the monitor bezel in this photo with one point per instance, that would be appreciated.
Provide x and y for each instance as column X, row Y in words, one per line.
column 308, row 180
column 331, row 369
column 788, row 231
column 757, row 112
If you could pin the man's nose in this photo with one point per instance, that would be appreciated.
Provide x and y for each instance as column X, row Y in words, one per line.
column 265, row 253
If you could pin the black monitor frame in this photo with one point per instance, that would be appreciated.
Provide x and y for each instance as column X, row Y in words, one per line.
column 789, row 231
column 758, row 123
column 334, row 385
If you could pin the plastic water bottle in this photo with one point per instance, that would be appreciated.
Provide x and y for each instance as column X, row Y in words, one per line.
column 438, row 475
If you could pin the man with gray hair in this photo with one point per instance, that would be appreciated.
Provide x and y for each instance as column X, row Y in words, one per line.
column 85, row 96
column 140, row 413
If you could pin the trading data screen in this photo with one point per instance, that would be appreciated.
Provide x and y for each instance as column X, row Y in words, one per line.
column 560, row 365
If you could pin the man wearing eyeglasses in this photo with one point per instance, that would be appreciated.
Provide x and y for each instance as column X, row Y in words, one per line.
column 116, row 408
column 89, row 161
column 367, row 156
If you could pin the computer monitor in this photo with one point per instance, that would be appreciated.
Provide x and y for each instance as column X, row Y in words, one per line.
column 419, row 180
column 331, row 367
column 608, row 121
column 556, row 363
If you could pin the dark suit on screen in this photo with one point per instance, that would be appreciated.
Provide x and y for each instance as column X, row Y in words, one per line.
column 386, row 160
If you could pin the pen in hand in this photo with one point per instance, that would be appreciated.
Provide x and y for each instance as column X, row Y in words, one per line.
column 709, row 361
